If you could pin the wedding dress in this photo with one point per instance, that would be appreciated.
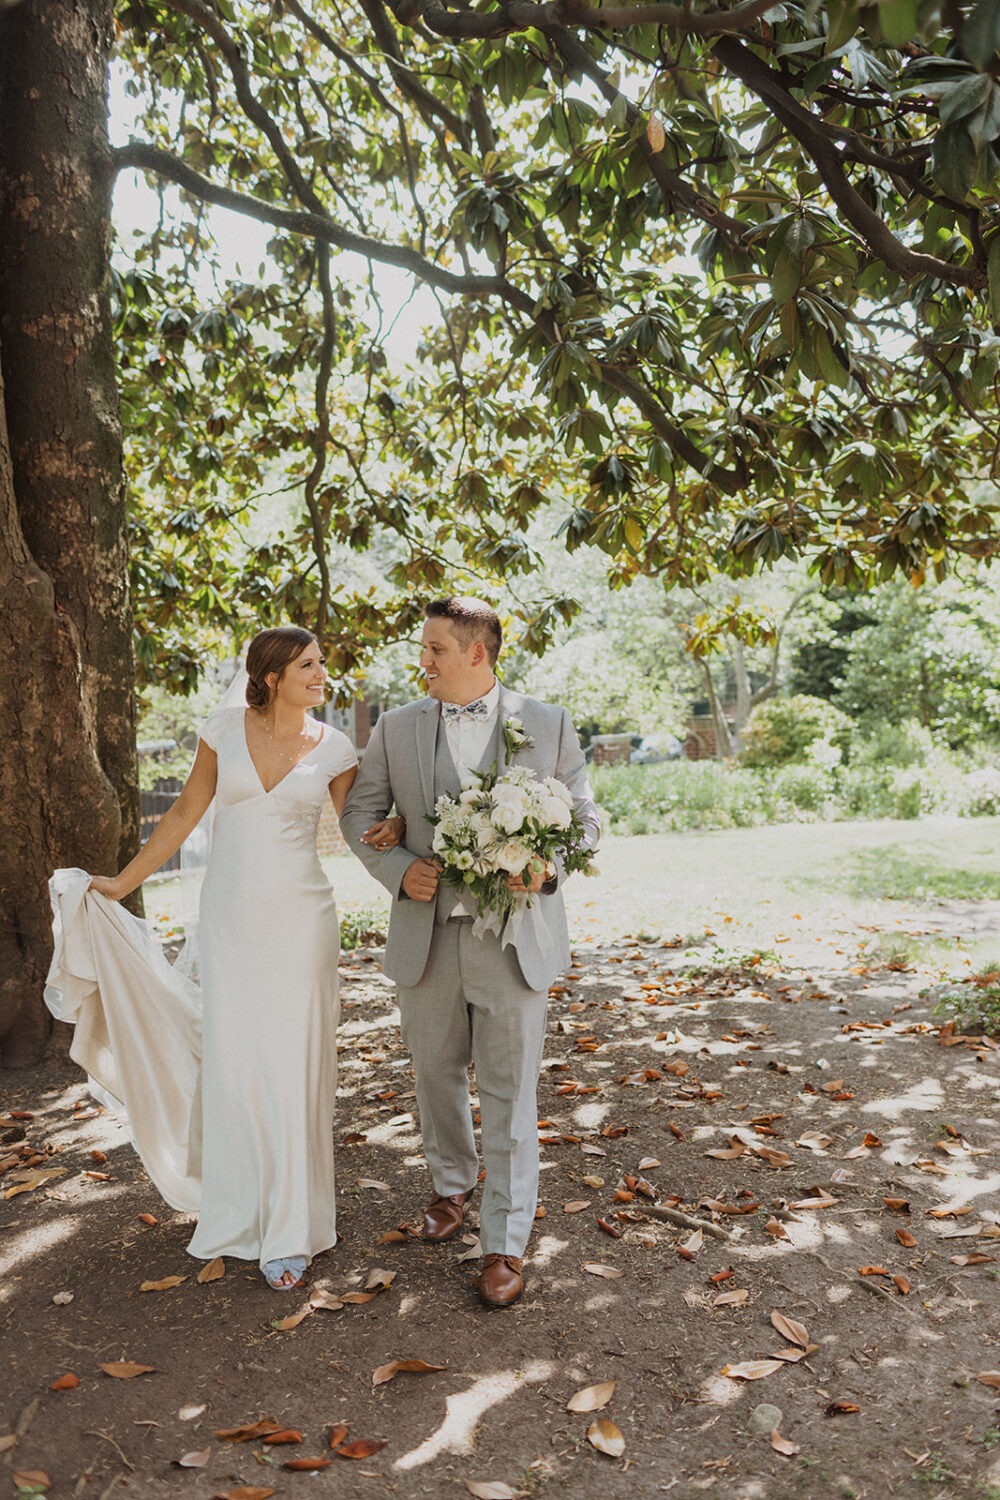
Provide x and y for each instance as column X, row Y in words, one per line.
column 229, row 1092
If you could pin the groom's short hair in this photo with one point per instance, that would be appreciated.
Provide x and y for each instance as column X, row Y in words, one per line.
column 471, row 620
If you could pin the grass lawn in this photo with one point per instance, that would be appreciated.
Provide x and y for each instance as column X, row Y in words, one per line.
column 824, row 893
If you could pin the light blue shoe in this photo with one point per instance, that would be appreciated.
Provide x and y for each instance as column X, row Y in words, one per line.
column 274, row 1270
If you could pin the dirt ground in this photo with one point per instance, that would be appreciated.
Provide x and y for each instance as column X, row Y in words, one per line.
column 839, row 1149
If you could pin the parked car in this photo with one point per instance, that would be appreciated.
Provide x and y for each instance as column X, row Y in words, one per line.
column 650, row 749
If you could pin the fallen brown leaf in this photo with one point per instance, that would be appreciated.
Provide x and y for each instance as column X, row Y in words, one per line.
column 149, row 1219
column 906, row 1238
column 784, row 1446
column 336, row 1433
column 358, row 1299
column 166, row 1285
column 576, row 1206
column 67, row 1382
column 735, row 1298
column 379, row 1279
column 248, row 1432
column 326, row 1301
column 594, row 1268
column 307, row 1465
column 285, row 1325
column 245, row 1492
column 790, row 1329
column 282, row 1436
column 902, row 1285
column 971, row 1260
column 775, row 1228
column 820, row 1201
column 592, row 1397
column 840, row 1408
column 8, row 1441
column 196, row 1460
column 214, row 1271
column 949, row 1211
column 126, row 1369
column 407, row 1366
column 753, row 1369
column 606, row 1437
column 31, row 1480
column 361, row 1447
column 989, row 1377
column 490, row 1489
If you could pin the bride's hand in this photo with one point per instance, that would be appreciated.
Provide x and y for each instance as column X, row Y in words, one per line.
column 385, row 835
column 111, row 886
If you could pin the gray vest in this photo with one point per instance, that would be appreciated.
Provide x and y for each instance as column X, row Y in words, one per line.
column 446, row 779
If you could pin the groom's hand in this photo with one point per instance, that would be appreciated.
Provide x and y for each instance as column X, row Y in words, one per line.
column 532, row 878
column 420, row 882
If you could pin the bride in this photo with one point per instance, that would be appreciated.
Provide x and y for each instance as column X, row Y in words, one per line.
column 247, row 1109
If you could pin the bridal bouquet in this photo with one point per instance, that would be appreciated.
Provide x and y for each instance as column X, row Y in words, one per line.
column 501, row 826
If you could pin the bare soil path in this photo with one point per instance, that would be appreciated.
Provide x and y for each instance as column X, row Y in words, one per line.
column 838, row 1148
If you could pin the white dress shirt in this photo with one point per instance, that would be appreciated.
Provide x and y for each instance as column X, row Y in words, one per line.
column 468, row 739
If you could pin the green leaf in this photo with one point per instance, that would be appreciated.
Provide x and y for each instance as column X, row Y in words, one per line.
column 981, row 34
column 993, row 268
column 898, row 19
column 964, row 97
column 785, row 276
column 954, row 161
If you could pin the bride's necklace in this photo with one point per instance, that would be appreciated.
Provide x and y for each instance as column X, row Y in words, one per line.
column 302, row 739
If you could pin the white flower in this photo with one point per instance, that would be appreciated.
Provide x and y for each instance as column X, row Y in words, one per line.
column 507, row 816
column 556, row 814
column 470, row 781
column 463, row 860
column 557, row 788
column 513, row 856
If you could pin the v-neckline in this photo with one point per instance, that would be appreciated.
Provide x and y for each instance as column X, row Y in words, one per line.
column 301, row 760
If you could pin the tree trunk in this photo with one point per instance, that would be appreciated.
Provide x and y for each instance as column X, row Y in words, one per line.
column 723, row 739
column 67, row 756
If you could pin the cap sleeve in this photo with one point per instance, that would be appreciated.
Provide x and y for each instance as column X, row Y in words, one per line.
column 341, row 755
column 216, row 725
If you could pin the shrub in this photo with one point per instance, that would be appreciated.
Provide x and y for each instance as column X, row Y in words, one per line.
column 783, row 730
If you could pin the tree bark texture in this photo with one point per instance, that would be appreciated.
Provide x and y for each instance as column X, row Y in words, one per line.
column 67, row 750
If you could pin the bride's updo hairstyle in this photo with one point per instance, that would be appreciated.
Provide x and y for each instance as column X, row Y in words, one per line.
column 272, row 651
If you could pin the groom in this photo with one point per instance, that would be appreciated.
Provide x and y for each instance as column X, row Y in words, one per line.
column 463, row 998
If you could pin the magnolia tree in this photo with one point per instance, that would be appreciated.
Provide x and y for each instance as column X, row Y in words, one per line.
column 719, row 283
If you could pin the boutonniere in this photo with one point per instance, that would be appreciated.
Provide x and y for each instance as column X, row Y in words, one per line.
column 514, row 737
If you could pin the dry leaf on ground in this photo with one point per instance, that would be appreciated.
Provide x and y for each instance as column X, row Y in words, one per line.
column 989, row 1377
column 31, row 1480
column 379, row 1279
column 784, row 1446
column 126, row 1369
column 594, row 1268
column 361, row 1447
column 735, row 1298
column 285, row 1325
column 307, row 1465
column 592, row 1397
column 248, row 1432
column 283, row 1435
column 606, row 1437
column 790, row 1329
column 196, row 1460
column 490, row 1489
column 188, row 1413
column 753, row 1369
column 214, row 1271
column 326, row 1302
column 246, row 1492
column 407, row 1366
column 67, row 1382
column 166, row 1285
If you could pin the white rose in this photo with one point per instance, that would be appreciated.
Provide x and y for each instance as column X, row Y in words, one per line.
column 557, row 788
column 513, row 856
column 507, row 816
column 556, row 814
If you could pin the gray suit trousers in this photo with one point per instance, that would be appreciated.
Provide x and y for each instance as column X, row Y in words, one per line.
column 472, row 1005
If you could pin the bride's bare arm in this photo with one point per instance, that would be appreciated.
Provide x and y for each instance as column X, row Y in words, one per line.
column 384, row 835
column 170, row 832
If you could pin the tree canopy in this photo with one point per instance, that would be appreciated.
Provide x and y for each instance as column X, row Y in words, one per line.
column 716, row 285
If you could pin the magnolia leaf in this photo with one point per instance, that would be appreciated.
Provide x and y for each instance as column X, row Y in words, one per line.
column 189, row 1413
column 372, row 1182
column 655, row 135
column 775, row 1228
column 282, row 1436
column 326, row 1301
column 735, row 1298
column 490, row 1489
column 126, row 1369
column 358, row 1299
column 378, row 1279
column 67, row 1382
column 31, row 1480
column 62, row 1299
column 166, row 1285
column 361, row 1447
column 753, row 1369
column 246, row 1492
column 592, row 1397
column 790, row 1329
column 841, row 1408
column 989, row 1377
column 248, row 1432
column 782, row 1445
column 336, row 1434
column 196, row 1460
column 594, row 1268
column 9, row 1440
column 606, row 1437
column 214, row 1271
column 576, row 1206
column 906, row 1238
column 408, row 1366
column 285, row 1325
column 307, row 1465
column 474, row 1251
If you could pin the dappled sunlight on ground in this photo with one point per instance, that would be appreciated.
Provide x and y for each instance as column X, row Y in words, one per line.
column 465, row 1410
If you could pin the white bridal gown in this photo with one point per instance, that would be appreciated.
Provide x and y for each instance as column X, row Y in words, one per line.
column 230, row 1092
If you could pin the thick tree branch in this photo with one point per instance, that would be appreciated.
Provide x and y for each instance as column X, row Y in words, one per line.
column 462, row 22
column 812, row 134
column 313, row 225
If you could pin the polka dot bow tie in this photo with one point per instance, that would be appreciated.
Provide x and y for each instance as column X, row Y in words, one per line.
column 451, row 712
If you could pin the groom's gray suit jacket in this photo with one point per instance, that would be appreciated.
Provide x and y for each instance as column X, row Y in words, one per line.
column 398, row 769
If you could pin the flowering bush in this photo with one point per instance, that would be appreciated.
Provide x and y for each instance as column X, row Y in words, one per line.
column 502, row 826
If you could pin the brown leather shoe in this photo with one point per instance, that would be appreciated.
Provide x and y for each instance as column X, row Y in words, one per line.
column 500, row 1281
column 443, row 1216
